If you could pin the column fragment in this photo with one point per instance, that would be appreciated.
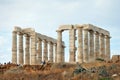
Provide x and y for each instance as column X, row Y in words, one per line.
column 14, row 47
column 51, row 51
column 39, row 52
column 96, row 45
column 72, row 45
column 55, row 48
column 107, row 49
column 45, row 53
column 59, row 46
column 80, row 45
column 21, row 56
column 102, row 46
column 27, row 52
column 91, row 55
column 85, row 56
column 33, row 48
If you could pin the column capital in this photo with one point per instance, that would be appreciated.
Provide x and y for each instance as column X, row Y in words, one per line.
column 26, row 35
column 107, row 36
column 101, row 34
column 20, row 33
column 96, row 33
column 91, row 31
column 49, row 42
column 14, row 32
column 44, row 40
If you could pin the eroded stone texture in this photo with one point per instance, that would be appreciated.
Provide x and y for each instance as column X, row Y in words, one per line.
column 91, row 54
column 51, row 51
column 72, row 45
column 39, row 52
column 107, row 49
column 96, row 45
column 14, row 47
column 27, row 51
column 85, row 56
column 59, row 46
column 80, row 45
column 21, row 48
column 33, row 49
column 115, row 58
column 102, row 46
column 45, row 52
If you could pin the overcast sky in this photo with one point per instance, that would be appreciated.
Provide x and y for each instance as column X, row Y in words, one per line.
column 47, row 15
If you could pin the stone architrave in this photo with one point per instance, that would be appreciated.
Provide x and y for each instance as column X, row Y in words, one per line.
column 45, row 52
column 39, row 52
column 80, row 45
column 102, row 46
column 72, row 45
column 27, row 51
column 85, row 56
column 33, row 48
column 91, row 55
column 14, row 47
column 59, row 46
column 21, row 56
column 51, row 51
column 107, row 48
column 96, row 45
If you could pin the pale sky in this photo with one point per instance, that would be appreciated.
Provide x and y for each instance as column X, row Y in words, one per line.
column 47, row 15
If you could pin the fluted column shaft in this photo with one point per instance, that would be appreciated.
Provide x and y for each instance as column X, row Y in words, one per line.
column 102, row 46
column 59, row 47
column 72, row 45
column 33, row 49
column 55, row 48
column 63, row 53
column 27, row 51
column 51, row 51
column 80, row 45
column 85, row 56
column 91, row 55
column 96, row 45
column 107, row 49
column 21, row 56
column 45, row 53
column 39, row 52
column 14, row 47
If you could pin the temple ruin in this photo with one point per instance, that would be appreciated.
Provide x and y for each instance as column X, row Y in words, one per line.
column 92, row 42
column 32, row 54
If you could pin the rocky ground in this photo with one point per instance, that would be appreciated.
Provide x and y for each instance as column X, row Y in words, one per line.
column 99, row 70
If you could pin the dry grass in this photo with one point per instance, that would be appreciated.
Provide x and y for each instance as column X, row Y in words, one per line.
column 61, row 72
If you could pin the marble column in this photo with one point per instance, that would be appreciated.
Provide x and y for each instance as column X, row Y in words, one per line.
column 72, row 45
column 39, row 52
column 102, row 46
column 14, row 47
column 27, row 51
column 59, row 46
column 45, row 53
column 107, row 48
column 33, row 49
column 91, row 55
column 85, row 56
column 96, row 45
column 21, row 56
column 80, row 45
column 63, row 53
column 51, row 51
column 55, row 48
